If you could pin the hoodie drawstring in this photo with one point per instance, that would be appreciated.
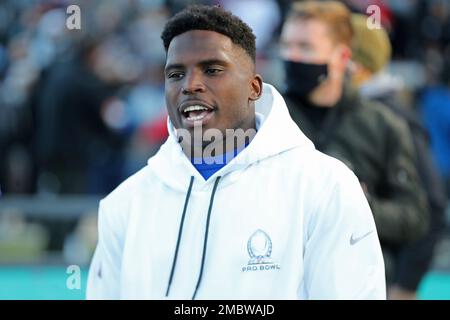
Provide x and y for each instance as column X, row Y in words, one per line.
column 205, row 240
column 180, row 231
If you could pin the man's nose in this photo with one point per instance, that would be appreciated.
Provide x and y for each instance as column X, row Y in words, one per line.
column 291, row 53
column 193, row 83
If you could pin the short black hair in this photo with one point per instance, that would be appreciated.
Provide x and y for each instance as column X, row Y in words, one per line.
column 211, row 18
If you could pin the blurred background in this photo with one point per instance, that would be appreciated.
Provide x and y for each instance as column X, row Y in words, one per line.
column 81, row 110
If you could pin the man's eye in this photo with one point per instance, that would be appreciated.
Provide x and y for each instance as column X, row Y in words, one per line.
column 175, row 75
column 213, row 70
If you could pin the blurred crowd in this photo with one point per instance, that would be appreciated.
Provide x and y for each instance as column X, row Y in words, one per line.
column 81, row 110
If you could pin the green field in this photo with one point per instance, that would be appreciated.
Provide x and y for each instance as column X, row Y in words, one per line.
column 49, row 282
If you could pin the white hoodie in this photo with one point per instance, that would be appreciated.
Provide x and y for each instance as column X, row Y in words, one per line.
column 284, row 222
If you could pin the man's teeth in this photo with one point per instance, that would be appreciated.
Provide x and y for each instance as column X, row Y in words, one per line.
column 199, row 117
column 195, row 108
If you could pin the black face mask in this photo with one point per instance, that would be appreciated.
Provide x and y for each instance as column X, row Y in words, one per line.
column 303, row 78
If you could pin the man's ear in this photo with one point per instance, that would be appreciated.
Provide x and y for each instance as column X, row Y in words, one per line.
column 340, row 58
column 345, row 54
column 256, row 87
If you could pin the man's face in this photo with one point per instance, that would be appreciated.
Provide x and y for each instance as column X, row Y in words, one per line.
column 310, row 41
column 306, row 41
column 210, row 81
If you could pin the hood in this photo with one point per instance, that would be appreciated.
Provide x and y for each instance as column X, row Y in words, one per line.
column 276, row 133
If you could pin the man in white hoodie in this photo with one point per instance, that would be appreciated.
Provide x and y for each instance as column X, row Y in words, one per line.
column 268, row 217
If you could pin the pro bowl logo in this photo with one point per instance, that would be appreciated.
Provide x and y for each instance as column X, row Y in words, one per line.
column 259, row 248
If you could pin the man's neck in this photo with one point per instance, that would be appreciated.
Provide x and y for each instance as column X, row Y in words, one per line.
column 327, row 94
column 220, row 146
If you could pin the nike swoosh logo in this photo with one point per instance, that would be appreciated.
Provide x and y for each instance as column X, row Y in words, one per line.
column 355, row 240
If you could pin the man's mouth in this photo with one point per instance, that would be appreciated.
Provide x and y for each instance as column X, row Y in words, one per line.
column 196, row 112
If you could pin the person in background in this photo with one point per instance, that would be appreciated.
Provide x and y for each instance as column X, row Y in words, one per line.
column 371, row 140
column 371, row 54
column 435, row 111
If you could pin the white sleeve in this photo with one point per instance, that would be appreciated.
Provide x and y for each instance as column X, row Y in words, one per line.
column 104, row 273
column 342, row 254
